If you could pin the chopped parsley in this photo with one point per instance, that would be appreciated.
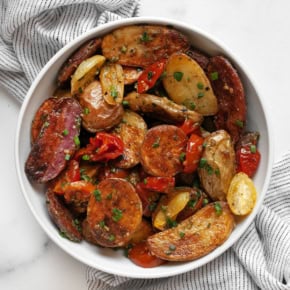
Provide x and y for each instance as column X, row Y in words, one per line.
column 86, row 111
column 253, row 149
column 200, row 85
column 214, row 76
column 178, row 75
column 67, row 157
column 181, row 234
column 200, row 95
column 182, row 156
column 114, row 92
column 171, row 223
column 117, row 214
column 145, row 37
column 97, row 195
column 239, row 123
column 156, row 143
column 86, row 157
column 65, row 132
column 218, row 208
column 102, row 224
column 111, row 238
column 149, row 75
column 77, row 140
column 125, row 103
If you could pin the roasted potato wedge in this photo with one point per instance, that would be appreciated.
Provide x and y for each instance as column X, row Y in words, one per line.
column 97, row 114
column 132, row 131
column 169, row 207
column 143, row 231
column 141, row 45
column 242, row 194
column 112, row 81
column 186, row 83
column 217, row 165
column 85, row 73
column 196, row 236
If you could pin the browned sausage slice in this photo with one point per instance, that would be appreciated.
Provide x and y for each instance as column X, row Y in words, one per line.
column 84, row 52
column 41, row 116
column 196, row 236
column 114, row 212
column 62, row 217
column 199, row 57
column 56, row 142
column 229, row 90
column 141, row 45
column 161, row 108
column 161, row 149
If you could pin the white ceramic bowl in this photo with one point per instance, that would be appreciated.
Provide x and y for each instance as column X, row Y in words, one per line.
column 106, row 259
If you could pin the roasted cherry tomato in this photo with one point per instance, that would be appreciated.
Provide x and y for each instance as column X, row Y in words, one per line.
column 189, row 126
column 150, row 75
column 248, row 159
column 148, row 199
column 70, row 174
column 141, row 256
column 159, row 184
column 102, row 147
column 193, row 153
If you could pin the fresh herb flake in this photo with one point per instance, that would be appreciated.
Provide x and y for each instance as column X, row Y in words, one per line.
column 178, row 75
column 65, row 132
column 218, row 208
column 116, row 214
column 97, row 195
column 214, row 76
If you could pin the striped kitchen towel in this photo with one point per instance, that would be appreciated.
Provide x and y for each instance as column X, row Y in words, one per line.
column 259, row 260
column 31, row 32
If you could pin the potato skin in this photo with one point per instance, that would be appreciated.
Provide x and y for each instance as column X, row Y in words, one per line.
column 97, row 114
column 201, row 234
column 62, row 217
column 132, row 131
column 142, row 45
column 219, row 165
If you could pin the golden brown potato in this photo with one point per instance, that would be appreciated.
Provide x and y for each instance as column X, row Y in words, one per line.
column 161, row 108
column 85, row 73
column 141, row 45
column 196, row 236
column 114, row 212
column 132, row 131
column 169, row 207
column 143, row 231
column 112, row 81
column 97, row 114
column 186, row 83
column 242, row 194
column 217, row 165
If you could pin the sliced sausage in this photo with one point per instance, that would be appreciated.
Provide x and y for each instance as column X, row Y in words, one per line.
column 199, row 57
column 196, row 236
column 97, row 113
column 62, row 217
column 114, row 212
column 55, row 144
column 161, row 149
column 161, row 108
column 132, row 131
column 84, row 52
column 41, row 116
column 230, row 93
column 142, row 45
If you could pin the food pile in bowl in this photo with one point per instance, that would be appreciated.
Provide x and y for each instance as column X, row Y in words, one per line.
column 144, row 146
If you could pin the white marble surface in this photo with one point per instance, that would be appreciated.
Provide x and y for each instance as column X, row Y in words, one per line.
column 256, row 31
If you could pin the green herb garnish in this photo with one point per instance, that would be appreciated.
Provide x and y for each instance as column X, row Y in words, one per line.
column 178, row 75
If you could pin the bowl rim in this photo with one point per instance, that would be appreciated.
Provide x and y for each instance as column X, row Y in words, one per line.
column 113, row 25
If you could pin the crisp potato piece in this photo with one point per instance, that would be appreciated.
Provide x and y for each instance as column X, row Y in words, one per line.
column 196, row 236
column 142, row 45
column 143, row 231
column 85, row 73
column 217, row 164
column 242, row 194
column 112, row 82
column 97, row 114
column 186, row 83
column 169, row 207
column 132, row 131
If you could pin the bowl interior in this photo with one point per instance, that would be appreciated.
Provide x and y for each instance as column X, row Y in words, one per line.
column 106, row 259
